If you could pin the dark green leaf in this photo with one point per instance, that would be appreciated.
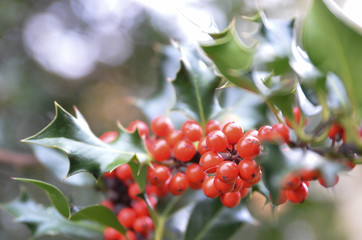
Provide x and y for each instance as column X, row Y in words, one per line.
column 232, row 58
column 55, row 196
column 210, row 220
column 47, row 221
column 85, row 151
column 195, row 86
column 99, row 214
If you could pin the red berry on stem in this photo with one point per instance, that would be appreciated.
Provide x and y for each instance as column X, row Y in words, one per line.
column 281, row 132
column 239, row 183
column 160, row 150
column 227, row 171
column 130, row 235
column 174, row 137
column 195, row 174
column 134, row 190
column 111, row 234
column 336, row 132
column 230, row 199
column 233, row 132
column 328, row 184
column 202, row 146
column 212, row 125
column 209, row 189
column 265, row 133
column 193, row 132
column 143, row 225
column 124, row 173
column 209, row 161
column 291, row 181
column 244, row 192
column 178, row 184
column 309, row 174
column 216, row 141
column 109, row 137
column 127, row 216
column 223, row 187
column 185, row 124
column 141, row 127
column 161, row 126
column 184, row 150
column 159, row 174
column 249, row 170
column 248, row 147
column 297, row 195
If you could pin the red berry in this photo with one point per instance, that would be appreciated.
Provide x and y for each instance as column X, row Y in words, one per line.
column 185, row 124
column 244, row 192
column 233, row 132
column 134, row 190
column 299, row 194
column 202, row 146
column 111, row 234
column 143, row 225
column 309, row 174
column 127, row 216
column 296, row 116
column 211, row 126
column 291, row 181
column 195, row 174
column 124, row 173
column 162, row 190
column 281, row 132
column 184, row 150
column 248, row 147
column 239, row 183
column 140, row 206
column 328, row 184
column 141, row 127
column 159, row 175
column 109, row 137
column 161, row 126
column 193, row 132
column 130, row 235
column 230, row 199
column 107, row 203
column 223, row 187
column 252, row 133
column 265, row 133
column 336, row 132
column 160, row 150
column 195, row 186
column 227, row 172
column 249, row 170
column 209, row 161
column 174, row 137
column 255, row 181
column 216, row 141
column 178, row 184
column 209, row 189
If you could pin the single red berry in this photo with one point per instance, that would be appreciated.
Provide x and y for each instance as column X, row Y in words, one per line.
column 193, row 132
column 227, row 171
column 291, row 181
column 127, row 216
column 143, row 225
column 230, row 199
column 253, row 133
column 255, row 181
column 336, row 132
column 249, row 170
column 248, row 147
column 297, row 114
column 160, row 150
column 112, row 234
column 209, row 161
column 111, row 174
column 216, row 141
column 195, row 174
column 124, row 173
column 141, row 127
column 184, row 150
column 109, row 137
column 233, row 132
column 223, row 187
column 162, row 190
column 212, row 125
column 178, row 184
column 239, row 183
column 309, row 174
column 174, row 137
column 159, row 174
column 134, row 190
column 281, row 132
column 297, row 195
column 161, row 126
column 202, row 146
column 328, row 184
column 185, row 124
column 244, row 192
column 140, row 206
column 209, row 189
column 195, row 186
column 265, row 133
column 130, row 236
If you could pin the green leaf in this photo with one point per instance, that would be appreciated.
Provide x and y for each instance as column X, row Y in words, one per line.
column 85, row 151
column 212, row 221
column 334, row 44
column 47, row 221
column 99, row 214
column 55, row 196
column 232, row 58
column 195, row 86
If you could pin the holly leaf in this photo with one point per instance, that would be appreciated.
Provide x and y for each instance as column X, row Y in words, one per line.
column 85, row 151
column 195, row 86
column 334, row 44
column 99, row 214
column 211, row 220
column 47, row 221
column 55, row 196
column 232, row 58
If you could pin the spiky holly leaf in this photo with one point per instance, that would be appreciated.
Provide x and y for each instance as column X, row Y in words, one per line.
column 47, row 221
column 85, row 151
column 334, row 44
column 210, row 219
column 195, row 86
column 55, row 196
column 232, row 58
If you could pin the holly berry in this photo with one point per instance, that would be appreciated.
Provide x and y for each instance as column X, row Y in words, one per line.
column 297, row 114
column 195, row 174
column 249, row 170
column 309, row 174
column 159, row 175
column 291, row 181
column 202, row 146
column 233, row 132
column 265, row 133
column 336, row 132
column 281, row 132
column 109, row 137
column 238, row 185
column 209, row 189
column 178, row 184
column 111, row 234
column 141, row 127
column 174, row 137
column 230, row 199
column 216, row 141
column 209, row 161
column 143, row 225
column 161, row 126
column 160, row 150
column 193, row 131
column 134, row 190
column 248, row 147
column 212, row 125
column 127, row 216
column 299, row 194
column 223, row 187
column 184, row 150
column 124, row 173
column 328, row 184
column 227, row 172
column 140, row 206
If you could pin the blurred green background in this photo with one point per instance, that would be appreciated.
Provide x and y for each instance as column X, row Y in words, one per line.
column 103, row 55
